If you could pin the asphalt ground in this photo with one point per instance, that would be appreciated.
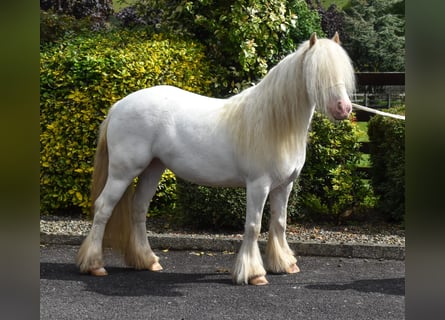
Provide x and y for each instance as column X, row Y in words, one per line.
column 197, row 285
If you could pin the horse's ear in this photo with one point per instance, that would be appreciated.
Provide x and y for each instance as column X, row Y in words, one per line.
column 313, row 39
column 336, row 37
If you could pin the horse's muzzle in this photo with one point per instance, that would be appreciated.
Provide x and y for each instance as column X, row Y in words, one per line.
column 342, row 109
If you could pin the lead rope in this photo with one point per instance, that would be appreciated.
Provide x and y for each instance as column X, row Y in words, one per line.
column 385, row 114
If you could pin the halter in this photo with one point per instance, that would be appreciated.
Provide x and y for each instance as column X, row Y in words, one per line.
column 338, row 84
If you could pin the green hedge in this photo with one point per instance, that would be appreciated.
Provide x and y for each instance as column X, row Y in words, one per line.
column 387, row 149
column 201, row 207
column 80, row 79
column 332, row 185
column 217, row 208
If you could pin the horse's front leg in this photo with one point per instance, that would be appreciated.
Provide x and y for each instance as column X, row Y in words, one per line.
column 279, row 257
column 249, row 265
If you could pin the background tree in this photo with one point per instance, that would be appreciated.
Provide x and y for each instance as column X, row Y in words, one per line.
column 375, row 31
column 61, row 18
column 332, row 19
column 101, row 9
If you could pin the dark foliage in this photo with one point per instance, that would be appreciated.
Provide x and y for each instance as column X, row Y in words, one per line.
column 97, row 11
column 387, row 148
column 100, row 9
column 332, row 19
column 205, row 208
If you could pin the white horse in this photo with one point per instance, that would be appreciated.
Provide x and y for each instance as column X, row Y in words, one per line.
column 255, row 139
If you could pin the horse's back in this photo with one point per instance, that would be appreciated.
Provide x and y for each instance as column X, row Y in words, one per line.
column 180, row 128
column 167, row 98
column 159, row 106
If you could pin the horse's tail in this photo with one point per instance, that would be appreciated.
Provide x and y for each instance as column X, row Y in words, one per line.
column 118, row 228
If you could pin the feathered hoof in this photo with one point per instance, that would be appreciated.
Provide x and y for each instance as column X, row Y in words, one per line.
column 258, row 281
column 293, row 269
column 99, row 272
column 156, row 266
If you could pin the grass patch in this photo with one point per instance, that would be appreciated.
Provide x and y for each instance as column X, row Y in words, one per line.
column 341, row 4
column 118, row 5
column 363, row 126
column 365, row 161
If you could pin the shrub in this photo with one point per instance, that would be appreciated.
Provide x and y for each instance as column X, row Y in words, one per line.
column 387, row 149
column 331, row 184
column 164, row 201
column 79, row 80
column 217, row 208
column 243, row 38
column 54, row 26
column 201, row 207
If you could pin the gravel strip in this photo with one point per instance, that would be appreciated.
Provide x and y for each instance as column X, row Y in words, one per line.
column 387, row 235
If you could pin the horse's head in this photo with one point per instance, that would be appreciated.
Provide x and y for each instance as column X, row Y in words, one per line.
column 330, row 76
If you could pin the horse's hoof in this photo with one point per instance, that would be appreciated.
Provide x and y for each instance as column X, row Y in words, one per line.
column 293, row 269
column 99, row 272
column 156, row 266
column 258, row 281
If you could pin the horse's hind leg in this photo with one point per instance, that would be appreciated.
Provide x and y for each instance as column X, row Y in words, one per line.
column 139, row 253
column 279, row 257
column 89, row 258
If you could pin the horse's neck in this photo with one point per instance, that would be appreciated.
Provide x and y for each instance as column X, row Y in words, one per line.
column 269, row 122
column 283, row 91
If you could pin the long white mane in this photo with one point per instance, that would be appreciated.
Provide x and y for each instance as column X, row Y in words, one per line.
column 269, row 122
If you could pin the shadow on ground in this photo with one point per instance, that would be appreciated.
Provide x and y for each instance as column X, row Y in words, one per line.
column 123, row 281
column 395, row 286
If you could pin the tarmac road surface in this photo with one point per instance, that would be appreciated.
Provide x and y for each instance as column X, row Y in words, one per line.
column 197, row 285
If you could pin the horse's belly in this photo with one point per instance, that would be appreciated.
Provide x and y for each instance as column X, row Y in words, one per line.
column 201, row 169
column 211, row 180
